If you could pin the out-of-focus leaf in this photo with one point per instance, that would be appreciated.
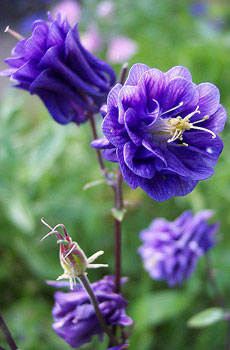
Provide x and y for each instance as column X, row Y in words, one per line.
column 19, row 211
column 159, row 307
column 206, row 317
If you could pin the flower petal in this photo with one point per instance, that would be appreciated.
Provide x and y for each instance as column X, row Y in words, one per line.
column 179, row 90
column 178, row 71
column 141, row 167
column 128, row 175
column 135, row 73
column 209, row 98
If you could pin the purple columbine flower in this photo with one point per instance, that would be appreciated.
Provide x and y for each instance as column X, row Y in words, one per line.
column 170, row 250
column 53, row 64
column 74, row 317
column 162, row 129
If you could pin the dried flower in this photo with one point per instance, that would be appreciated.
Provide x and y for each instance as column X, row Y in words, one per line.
column 170, row 250
column 74, row 317
column 53, row 64
column 163, row 129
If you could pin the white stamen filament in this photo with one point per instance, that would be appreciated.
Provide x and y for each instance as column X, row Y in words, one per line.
column 13, row 33
column 172, row 109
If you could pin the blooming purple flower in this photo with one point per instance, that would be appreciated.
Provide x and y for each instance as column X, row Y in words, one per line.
column 170, row 250
column 162, row 129
column 53, row 64
column 74, row 317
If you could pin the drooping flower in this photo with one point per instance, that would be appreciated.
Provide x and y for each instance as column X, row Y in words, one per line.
column 53, row 64
column 170, row 250
column 74, row 317
column 162, row 129
column 72, row 257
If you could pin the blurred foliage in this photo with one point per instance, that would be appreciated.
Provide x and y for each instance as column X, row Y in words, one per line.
column 44, row 167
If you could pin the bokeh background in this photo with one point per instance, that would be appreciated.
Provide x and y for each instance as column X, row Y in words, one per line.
column 44, row 167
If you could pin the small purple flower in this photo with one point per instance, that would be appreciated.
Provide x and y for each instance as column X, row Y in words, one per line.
column 162, row 129
column 74, row 317
column 53, row 64
column 170, row 250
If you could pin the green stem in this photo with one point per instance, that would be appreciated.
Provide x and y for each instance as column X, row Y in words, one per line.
column 86, row 284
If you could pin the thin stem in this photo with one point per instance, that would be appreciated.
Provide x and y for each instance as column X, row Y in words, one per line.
column 1, row 348
column 117, row 232
column 211, row 278
column 95, row 136
column 228, row 334
column 7, row 335
column 86, row 284
column 123, row 73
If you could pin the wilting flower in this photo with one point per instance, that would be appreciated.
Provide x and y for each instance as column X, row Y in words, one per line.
column 162, row 129
column 74, row 317
column 170, row 250
column 121, row 49
column 72, row 257
column 53, row 64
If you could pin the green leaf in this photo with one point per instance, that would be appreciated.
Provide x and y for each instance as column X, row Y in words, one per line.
column 206, row 318
column 159, row 307
column 118, row 214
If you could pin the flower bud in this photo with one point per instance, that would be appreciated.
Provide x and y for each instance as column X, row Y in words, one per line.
column 72, row 258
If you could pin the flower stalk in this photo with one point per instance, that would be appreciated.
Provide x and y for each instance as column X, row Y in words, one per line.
column 8, row 337
column 86, row 284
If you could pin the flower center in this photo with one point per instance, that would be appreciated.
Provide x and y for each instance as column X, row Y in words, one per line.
column 179, row 125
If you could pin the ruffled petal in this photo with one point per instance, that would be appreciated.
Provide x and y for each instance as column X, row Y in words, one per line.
column 135, row 73
column 128, row 175
column 209, row 98
column 178, row 71
column 141, row 167
column 179, row 90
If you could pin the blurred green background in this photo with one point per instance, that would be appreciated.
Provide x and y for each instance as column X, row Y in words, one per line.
column 44, row 167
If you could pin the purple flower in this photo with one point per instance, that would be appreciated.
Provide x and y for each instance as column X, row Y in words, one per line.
column 53, row 64
column 74, row 317
column 162, row 129
column 170, row 250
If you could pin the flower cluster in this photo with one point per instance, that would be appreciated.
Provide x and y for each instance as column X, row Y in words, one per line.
column 170, row 250
column 74, row 317
column 162, row 129
column 53, row 64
